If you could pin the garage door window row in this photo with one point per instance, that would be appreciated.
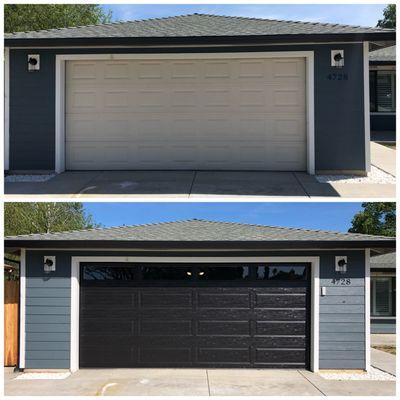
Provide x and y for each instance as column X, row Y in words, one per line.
column 147, row 273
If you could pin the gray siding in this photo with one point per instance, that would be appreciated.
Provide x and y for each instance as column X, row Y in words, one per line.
column 48, row 310
column 342, row 315
column 32, row 97
column 47, row 323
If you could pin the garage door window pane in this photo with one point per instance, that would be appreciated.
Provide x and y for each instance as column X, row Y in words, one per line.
column 93, row 273
column 282, row 272
column 223, row 273
column 167, row 273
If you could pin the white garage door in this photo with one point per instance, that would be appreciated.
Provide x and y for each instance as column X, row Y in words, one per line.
column 222, row 114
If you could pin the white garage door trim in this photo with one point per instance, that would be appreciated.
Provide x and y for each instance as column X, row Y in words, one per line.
column 315, row 289
column 60, row 89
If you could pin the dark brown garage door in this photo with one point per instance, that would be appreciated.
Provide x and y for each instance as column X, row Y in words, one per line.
column 208, row 315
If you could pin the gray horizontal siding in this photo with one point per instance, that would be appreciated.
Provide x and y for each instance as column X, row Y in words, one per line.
column 47, row 355
column 48, row 310
column 46, row 345
column 341, row 364
column 341, row 318
column 46, row 327
column 331, row 345
column 340, row 300
column 47, row 321
column 342, row 314
column 47, row 364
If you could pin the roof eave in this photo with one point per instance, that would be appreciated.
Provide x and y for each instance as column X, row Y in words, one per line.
column 164, row 245
column 196, row 40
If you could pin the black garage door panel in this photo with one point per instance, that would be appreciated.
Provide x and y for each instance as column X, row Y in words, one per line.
column 259, row 325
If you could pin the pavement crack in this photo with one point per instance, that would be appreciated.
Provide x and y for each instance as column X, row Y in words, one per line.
column 300, row 184
column 208, row 383
column 316, row 387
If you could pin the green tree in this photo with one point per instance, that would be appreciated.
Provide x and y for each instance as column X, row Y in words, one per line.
column 375, row 219
column 389, row 17
column 32, row 17
column 26, row 218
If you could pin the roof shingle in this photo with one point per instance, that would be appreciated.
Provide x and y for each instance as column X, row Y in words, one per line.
column 196, row 230
column 195, row 25
column 384, row 54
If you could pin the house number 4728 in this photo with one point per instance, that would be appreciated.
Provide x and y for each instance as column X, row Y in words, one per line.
column 338, row 77
column 341, row 281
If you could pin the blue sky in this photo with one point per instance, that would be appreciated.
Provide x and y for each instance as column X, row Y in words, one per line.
column 329, row 216
column 352, row 14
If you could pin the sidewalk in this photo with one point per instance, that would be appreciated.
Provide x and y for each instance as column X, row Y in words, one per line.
column 383, row 158
column 383, row 361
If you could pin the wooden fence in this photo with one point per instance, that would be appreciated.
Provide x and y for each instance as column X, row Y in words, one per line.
column 11, row 313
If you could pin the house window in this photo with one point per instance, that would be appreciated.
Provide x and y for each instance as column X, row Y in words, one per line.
column 382, row 296
column 382, row 91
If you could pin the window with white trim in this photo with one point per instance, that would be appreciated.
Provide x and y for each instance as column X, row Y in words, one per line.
column 382, row 86
column 382, row 296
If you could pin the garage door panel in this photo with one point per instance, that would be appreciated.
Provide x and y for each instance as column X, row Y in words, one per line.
column 165, row 355
column 227, row 355
column 284, row 301
column 271, row 356
column 186, row 114
column 280, row 315
column 237, row 322
column 276, row 328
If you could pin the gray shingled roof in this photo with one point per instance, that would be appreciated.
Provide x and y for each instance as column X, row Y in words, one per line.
column 195, row 25
column 384, row 54
column 198, row 230
column 387, row 260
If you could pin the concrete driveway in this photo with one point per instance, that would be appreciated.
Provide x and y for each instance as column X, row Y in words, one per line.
column 195, row 185
column 257, row 185
column 194, row 382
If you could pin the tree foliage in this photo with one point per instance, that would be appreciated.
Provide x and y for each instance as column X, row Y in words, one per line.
column 32, row 17
column 389, row 17
column 375, row 219
column 26, row 218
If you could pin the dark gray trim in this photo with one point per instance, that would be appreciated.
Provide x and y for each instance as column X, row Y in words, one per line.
column 148, row 244
column 382, row 63
column 260, row 39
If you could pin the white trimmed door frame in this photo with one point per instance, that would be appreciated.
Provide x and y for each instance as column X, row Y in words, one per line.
column 61, row 90
column 367, row 312
column 75, row 288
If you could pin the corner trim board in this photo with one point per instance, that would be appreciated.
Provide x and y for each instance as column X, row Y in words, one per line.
column 22, row 311
column 75, row 262
column 61, row 60
column 367, row 285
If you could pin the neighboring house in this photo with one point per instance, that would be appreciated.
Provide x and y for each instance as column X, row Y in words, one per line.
column 382, row 85
column 196, row 294
column 190, row 92
column 383, row 293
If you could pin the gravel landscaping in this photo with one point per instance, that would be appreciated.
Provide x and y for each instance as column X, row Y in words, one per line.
column 373, row 375
column 28, row 178
column 375, row 176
